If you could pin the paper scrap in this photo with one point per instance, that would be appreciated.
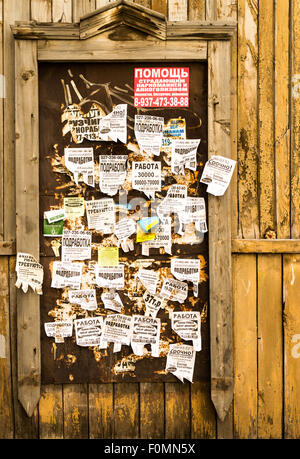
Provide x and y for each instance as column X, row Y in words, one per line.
column 187, row 325
column 66, row 275
column 153, row 304
column 217, row 174
column 145, row 330
column 117, row 329
column 88, row 331
column 123, row 230
column 110, row 277
column 193, row 212
column 148, row 278
column 162, row 238
column 181, row 361
column 108, row 256
column 112, row 300
column 146, row 177
column 59, row 330
column 114, row 125
column 101, row 214
column 80, row 161
column 30, row 273
column 82, row 125
column 55, row 215
column 174, row 202
column 141, row 236
column 74, row 207
column 187, row 269
column 174, row 129
column 54, row 229
column 85, row 298
column 174, row 290
column 184, row 155
column 149, row 132
column 112, row 173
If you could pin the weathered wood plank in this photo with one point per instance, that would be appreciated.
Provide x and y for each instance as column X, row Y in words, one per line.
column 2, row 96
column 203, row 416
column 41, row 10
column 295, row 116
column 282, row 130
column 245, row 346
column 82, row 7
column 12, row 10
column 145, row 3
column 101, row 406
column 27, row 219
column 62, row 10
column 177, row 11
column 211, row 10
column 266, row 118
column 126, row 410
column 219, row 235
column 51, row 412
column 247, row 120
column 161, row 6
column 291, row 279
column 270, row 355
column 265, row 246
column 75, row 403
column 177, row 410
column 196, row 10
column 7, row 248
column 6, row 408
column 152, row 414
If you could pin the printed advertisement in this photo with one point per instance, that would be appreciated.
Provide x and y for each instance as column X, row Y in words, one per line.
column 114, row 126
column 184, row 155
column 162, row 238
column 29, row 273
column 148, row 131
column 187, row 269
column 76, row 245
column 112, row 172
column 85, row 298
column 117, row 329
column 181, row 361
column 82, row 125
column 187, row 324
column 66, row 275
column 174, row 202
column 153, row 304
column 123, row 230
column 174, row 290
column 217, row 174
column 146, row 177
column 161, row 87
column 88, row 331
column 59, row 330
column 145, row 330
column 149, row 279
column 101, row 214
column 112, row 300
column 175, row 128
column 110, row 277
column 194, row 212
column 74, row 207
column 80, row 161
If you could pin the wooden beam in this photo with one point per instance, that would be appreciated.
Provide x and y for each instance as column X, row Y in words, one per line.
column 27, row 218
column 198, row 30
column 7, row 248
column 265, row 245
column 219, row 142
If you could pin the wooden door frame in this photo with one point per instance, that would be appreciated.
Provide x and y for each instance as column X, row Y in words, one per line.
column 88, row 41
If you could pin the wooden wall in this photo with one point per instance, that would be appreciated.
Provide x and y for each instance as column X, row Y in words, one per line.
column 265, row 132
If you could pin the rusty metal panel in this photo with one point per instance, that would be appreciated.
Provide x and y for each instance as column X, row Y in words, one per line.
column 108, row 84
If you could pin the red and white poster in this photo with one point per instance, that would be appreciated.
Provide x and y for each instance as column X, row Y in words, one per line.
column 161, row 87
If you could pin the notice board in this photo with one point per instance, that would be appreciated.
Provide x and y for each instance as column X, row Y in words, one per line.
column 93, row 91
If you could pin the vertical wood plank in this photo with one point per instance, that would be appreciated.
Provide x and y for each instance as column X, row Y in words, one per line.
column 2, row 96
column 146, row 3
column 152, row 410
column 177, row 410
column 291, row 279
column 62, row 10
column 282, row 130
column 75, row 403
column 161, row 6
column 41, row 10
column 13, row 10
column 219, row 215
column 51, row 424
column 245, row 346
column 196, row 10
column 270, row 355
column 27, row 210
column 266, row 118
column 101, row 410
column 247, row 120
column 82, row 7
column 295, row 116
column 203, row 418
column 211, row 10
column 100, row 3
column 177, row 10
column 126, row 410
column 6, row 409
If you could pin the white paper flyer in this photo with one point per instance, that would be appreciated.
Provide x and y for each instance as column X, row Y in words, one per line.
column 82, row 125
column 117, row 329
column 80, row 161
column 85, row 298
column 101, row 214
column 187, row 269
column 66, row 275
column 181, row 361
column 217, row 174
column 88, row 331
column 184, row 155
column 146, row 177
column 149, row 279
column 59, row 330
column 174, row 202
column 114, row 125
column 123, row 230
column 112, row 173
column 112, row 300
column 153, row 304
column 194, row 212
column 174, row 290
column 111, row 277
column 148, row 131
column 76, row 245
column 145, row 330
column 187, row 325
column 162, row 238
column 30, row 273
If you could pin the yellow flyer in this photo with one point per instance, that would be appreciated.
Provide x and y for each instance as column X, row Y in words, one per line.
column 108, row 256
column 74, row 207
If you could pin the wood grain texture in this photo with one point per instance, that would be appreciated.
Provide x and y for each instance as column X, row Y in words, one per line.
column 270, row 346
column 177, row 10
column 82, row 7
column 266, row 118
column 2, row 96
column 62, row 10
column 177, row 410
column 196, row 10
column 41, row 10
column 75, row 403
column 295, row 116
column 245, row 346
column 152, row 414
column 101, row 411
column 265, row 246
column 27, row 210
column 247, row 120
column 126, row 410
column 161, row 6
column 291, row 285
column 203, row 416
column 51, row 412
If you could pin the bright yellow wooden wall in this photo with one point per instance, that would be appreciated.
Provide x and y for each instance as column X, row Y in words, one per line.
column 265, row 132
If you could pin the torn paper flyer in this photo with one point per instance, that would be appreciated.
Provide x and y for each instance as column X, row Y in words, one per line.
column 117, row 329
column 153, row 304
column 76, row 245
column 55, row 215
column 30, row 273
column 80, row 161
column 101, row 214
column 66, row 275
column 187, row 269
column 174, row 129
column 112, row 173
column 112, row 300
column 82, row 125
column 145, row 330
column 59, row 330
column 187, row 325
column 149, row 132
column 174, row 202
column 217, row 174
column 184, row 155
column 125, row 228
column 88, row 331
column 74, row 207
column 162, row 238
column 194, row 212
column 149, row 279
column 110, row 277
column 85, row 298
column 146, row 177
column 174, row 290
column 181, row 361
column 114, row 125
